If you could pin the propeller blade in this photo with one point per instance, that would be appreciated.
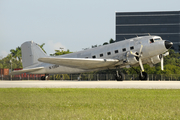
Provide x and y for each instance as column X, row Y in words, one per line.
column 137, row 54
column 166, row 54
column 133, row 53
column 140, row 50
column 162, row 63
column 141, row 65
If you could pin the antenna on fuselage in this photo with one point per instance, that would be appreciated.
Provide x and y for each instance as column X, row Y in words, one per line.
column 136, row 35
column 149, row 34
column 124, row 38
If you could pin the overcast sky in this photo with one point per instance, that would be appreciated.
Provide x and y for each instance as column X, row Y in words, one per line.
column 71, row 24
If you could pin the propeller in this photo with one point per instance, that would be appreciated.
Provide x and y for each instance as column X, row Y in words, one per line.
column 162, row 61
column 139, row 55
column 161, row 56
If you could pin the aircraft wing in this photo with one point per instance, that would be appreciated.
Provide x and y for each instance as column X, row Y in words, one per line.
column 83, row 63
column 15, row 72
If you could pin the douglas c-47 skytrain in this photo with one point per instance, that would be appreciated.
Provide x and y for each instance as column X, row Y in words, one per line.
column 128, row 53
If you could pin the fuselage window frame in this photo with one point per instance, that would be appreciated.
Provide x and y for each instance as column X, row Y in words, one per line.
column 101, row 55
column 132, row 48
column 108, row 53
column 116, row 51
column 94, row 56
column 124, row 49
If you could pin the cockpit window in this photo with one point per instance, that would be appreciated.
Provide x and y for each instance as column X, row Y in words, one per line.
column 157, row 39
column 151, row 40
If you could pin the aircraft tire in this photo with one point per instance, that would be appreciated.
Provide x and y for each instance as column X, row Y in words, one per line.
column 43, row 77
column 144, row 77
column 120, row 78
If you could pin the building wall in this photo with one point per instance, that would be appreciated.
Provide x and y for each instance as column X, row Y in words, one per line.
column 165, row 24
column 4, row 71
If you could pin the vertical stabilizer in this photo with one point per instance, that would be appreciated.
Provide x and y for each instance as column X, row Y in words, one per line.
column 30, row 54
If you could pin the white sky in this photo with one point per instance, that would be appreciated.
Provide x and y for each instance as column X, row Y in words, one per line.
column 71, row 24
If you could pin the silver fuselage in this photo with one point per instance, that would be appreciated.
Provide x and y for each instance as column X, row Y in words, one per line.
column 118, row 50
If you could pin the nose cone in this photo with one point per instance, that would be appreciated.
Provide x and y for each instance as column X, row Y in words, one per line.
column 168, row 44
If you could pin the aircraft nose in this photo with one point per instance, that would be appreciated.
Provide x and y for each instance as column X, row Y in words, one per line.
column 168, row 44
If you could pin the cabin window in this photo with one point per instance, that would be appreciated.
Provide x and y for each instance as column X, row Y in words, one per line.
column 101, row 55
column 109, row 53
column 124, row 49
column 86, row 57
column 94, row 56
column 116, row 51
column 151, row 40
column 132, row 47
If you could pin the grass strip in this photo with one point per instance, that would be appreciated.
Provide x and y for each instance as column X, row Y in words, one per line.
column 106, row 104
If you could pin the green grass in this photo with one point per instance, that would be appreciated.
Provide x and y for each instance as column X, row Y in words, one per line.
column 107, row 104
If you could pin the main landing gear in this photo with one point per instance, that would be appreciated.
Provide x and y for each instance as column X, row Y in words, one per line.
column 119, row 76
column 44, row 77
column 143, row 76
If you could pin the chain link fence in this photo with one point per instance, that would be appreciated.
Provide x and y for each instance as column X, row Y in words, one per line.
column 95, row 77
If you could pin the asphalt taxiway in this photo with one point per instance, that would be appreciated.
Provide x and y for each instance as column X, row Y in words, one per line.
column 92, row 84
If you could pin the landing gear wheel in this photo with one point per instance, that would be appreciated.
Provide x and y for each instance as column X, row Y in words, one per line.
column 143, row 76
column 43, row 77
column 119, row 77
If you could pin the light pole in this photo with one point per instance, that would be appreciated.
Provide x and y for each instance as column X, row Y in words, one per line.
column 11, row 67
column 11, row 64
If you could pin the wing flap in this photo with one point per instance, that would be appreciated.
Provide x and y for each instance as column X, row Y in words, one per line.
column 83, row 63
column 16, row 72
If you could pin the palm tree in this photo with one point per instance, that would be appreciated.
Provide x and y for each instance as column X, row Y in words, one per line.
column 16, row 53
column 62, row 52
column 41, row 46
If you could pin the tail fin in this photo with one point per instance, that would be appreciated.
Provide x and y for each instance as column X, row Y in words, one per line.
column 30, row 54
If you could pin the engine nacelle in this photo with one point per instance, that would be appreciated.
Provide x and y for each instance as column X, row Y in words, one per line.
column 155, row 59
column 132, row 60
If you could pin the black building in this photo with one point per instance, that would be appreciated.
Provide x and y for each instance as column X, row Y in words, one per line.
column 163, row 23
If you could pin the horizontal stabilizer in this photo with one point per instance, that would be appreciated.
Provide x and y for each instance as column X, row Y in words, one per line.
column 83, row 63
column 16, row 72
